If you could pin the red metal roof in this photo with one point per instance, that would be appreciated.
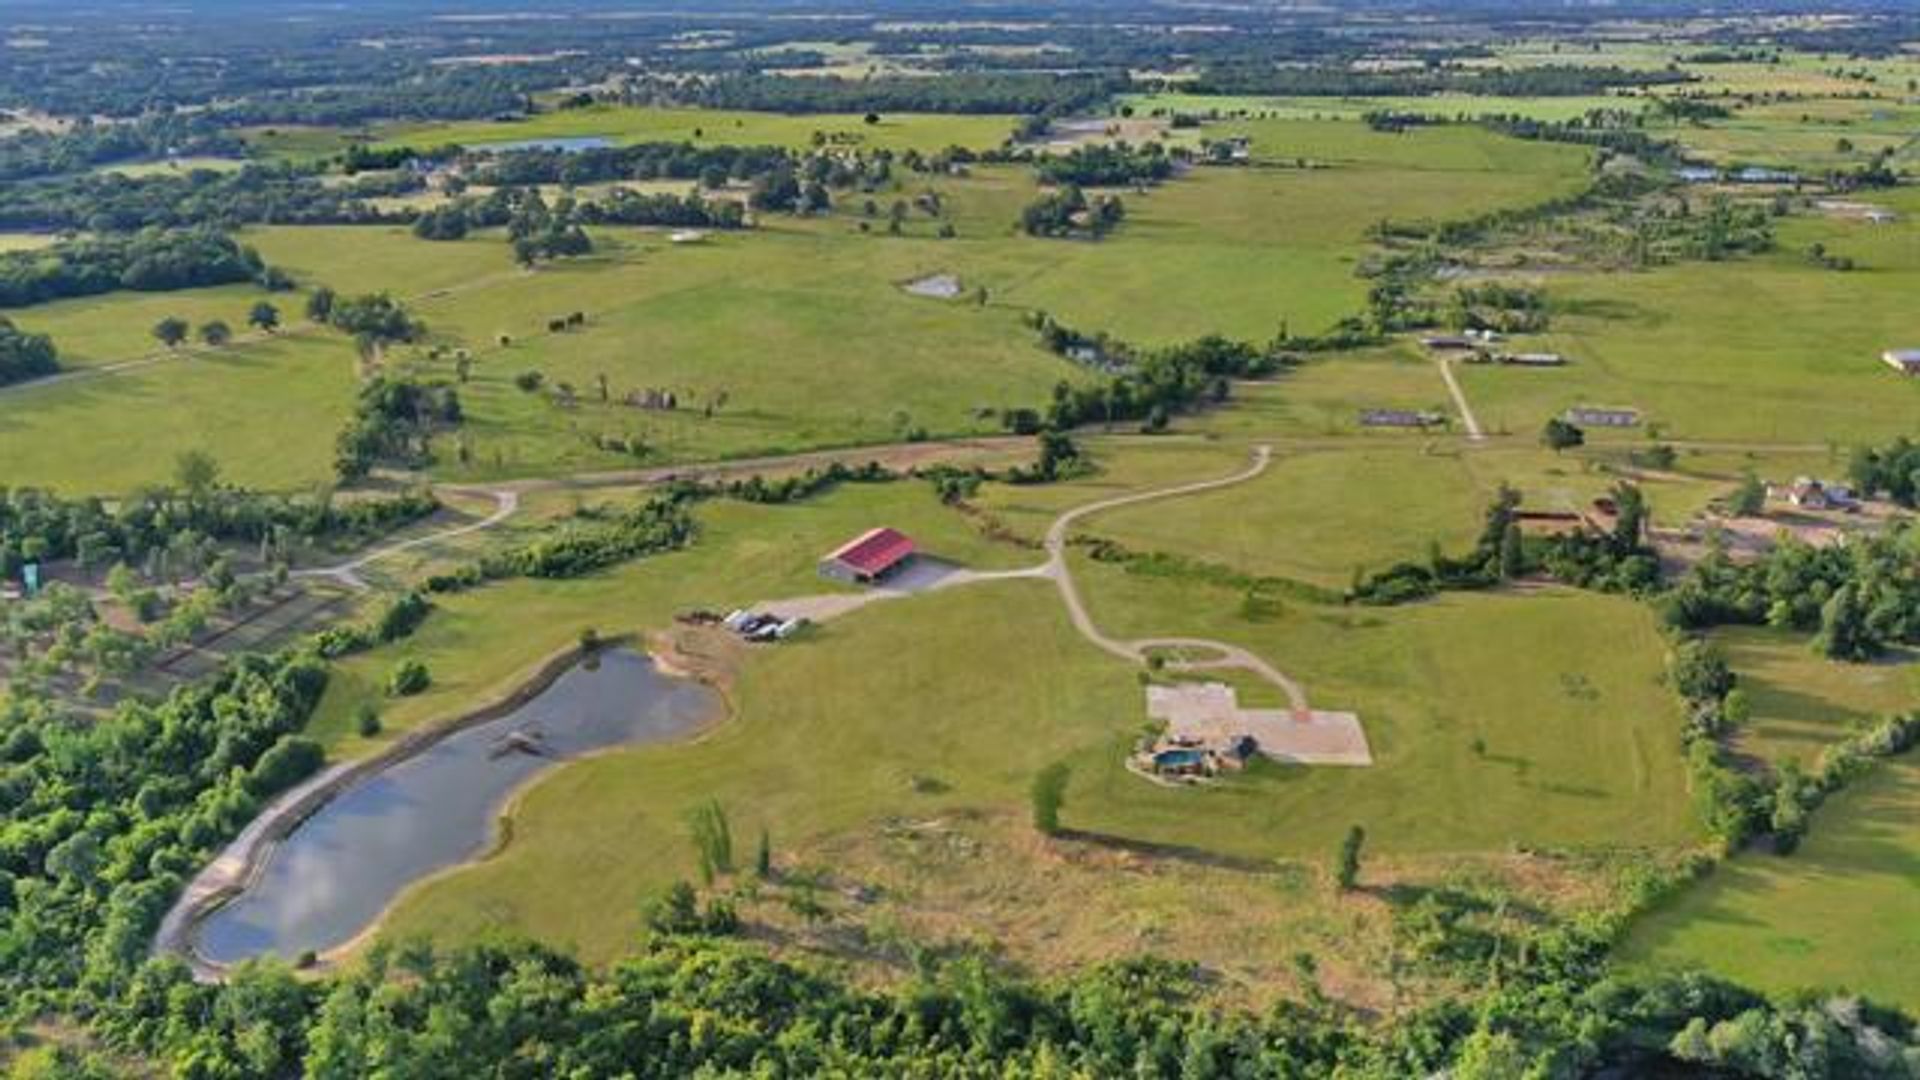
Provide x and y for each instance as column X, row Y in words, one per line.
column 874, row 552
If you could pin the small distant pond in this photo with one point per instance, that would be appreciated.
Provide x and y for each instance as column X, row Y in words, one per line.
column 566, row 144
column 340, row 868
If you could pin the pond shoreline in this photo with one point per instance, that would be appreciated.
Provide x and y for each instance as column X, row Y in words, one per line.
column 240, row 864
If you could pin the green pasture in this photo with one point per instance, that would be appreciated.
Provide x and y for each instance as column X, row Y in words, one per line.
column 91, row 331
column 636, row 124
column 10, row 241
column 1833, row 915
column 799, row 333
column 481, row 644
column 1495, row 719
column 825, row 742
column 1767, row 349
column 1315, row 516
column 1829, row 915
column 1803, row 702
column 1230, row 107
column 267, row 411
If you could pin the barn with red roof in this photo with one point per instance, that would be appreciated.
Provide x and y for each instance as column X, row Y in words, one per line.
column 869, row 557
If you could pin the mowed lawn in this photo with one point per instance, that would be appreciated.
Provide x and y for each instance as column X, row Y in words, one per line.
column 1494, row 719
column 1772, row 348
column 1315, row 516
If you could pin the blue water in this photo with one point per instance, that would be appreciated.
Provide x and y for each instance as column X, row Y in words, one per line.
column 1178, row 757
column 569, row 144
column 340, row 868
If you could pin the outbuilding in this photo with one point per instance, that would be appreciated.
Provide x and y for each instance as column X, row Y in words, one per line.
column 872, row 556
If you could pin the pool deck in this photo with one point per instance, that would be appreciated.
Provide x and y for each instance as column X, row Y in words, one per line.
column 1209, row 714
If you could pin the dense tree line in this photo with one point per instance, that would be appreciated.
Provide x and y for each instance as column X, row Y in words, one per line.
column 151, row 260
column 1069, row 212
column 1892, row 471
column 1023, row 93
column 36, row 152
column 593, row 540
column 1151, row 385
column 713, row 165
column 1857, row 600
column 256, row 194
column 394, row 422
column 24, row 355
column 101, row 822
column 692, row 1002
column 1107, row 165
column 1547, row 80
column 38, row 526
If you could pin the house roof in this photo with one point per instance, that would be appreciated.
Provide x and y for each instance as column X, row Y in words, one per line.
column 874, row 551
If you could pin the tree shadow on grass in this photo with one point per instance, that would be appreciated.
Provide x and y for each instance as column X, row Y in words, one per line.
column 1167, row 852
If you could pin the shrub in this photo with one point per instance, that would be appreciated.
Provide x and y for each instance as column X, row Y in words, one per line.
column 409, row 677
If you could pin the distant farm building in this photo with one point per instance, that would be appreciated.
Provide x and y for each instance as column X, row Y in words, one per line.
column 1904, row 361
column 1592, row 416
column 1696, row 174
column 1399, row 418
column 1449, row 342
column 1810, row 494
column 872, row 556
column 1533, row 359
column 687, row 236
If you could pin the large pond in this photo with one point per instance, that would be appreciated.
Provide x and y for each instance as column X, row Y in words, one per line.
column 566, row 144
column 341, row 867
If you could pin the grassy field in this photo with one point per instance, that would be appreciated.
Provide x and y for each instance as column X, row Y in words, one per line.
column 1316, row 516
column 1802, row 702
column 1683, row 343
column 94, row 330
column 799, row 333
column 1830, row 915
column 818, row 750
column 1822, row 916
column 10, row 241
column 481, row 644
column 268, row 413
column 633, row 124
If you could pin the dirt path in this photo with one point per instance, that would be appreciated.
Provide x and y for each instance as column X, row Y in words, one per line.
column 1224, row 655
column 505, row 502
column 1460, row 400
